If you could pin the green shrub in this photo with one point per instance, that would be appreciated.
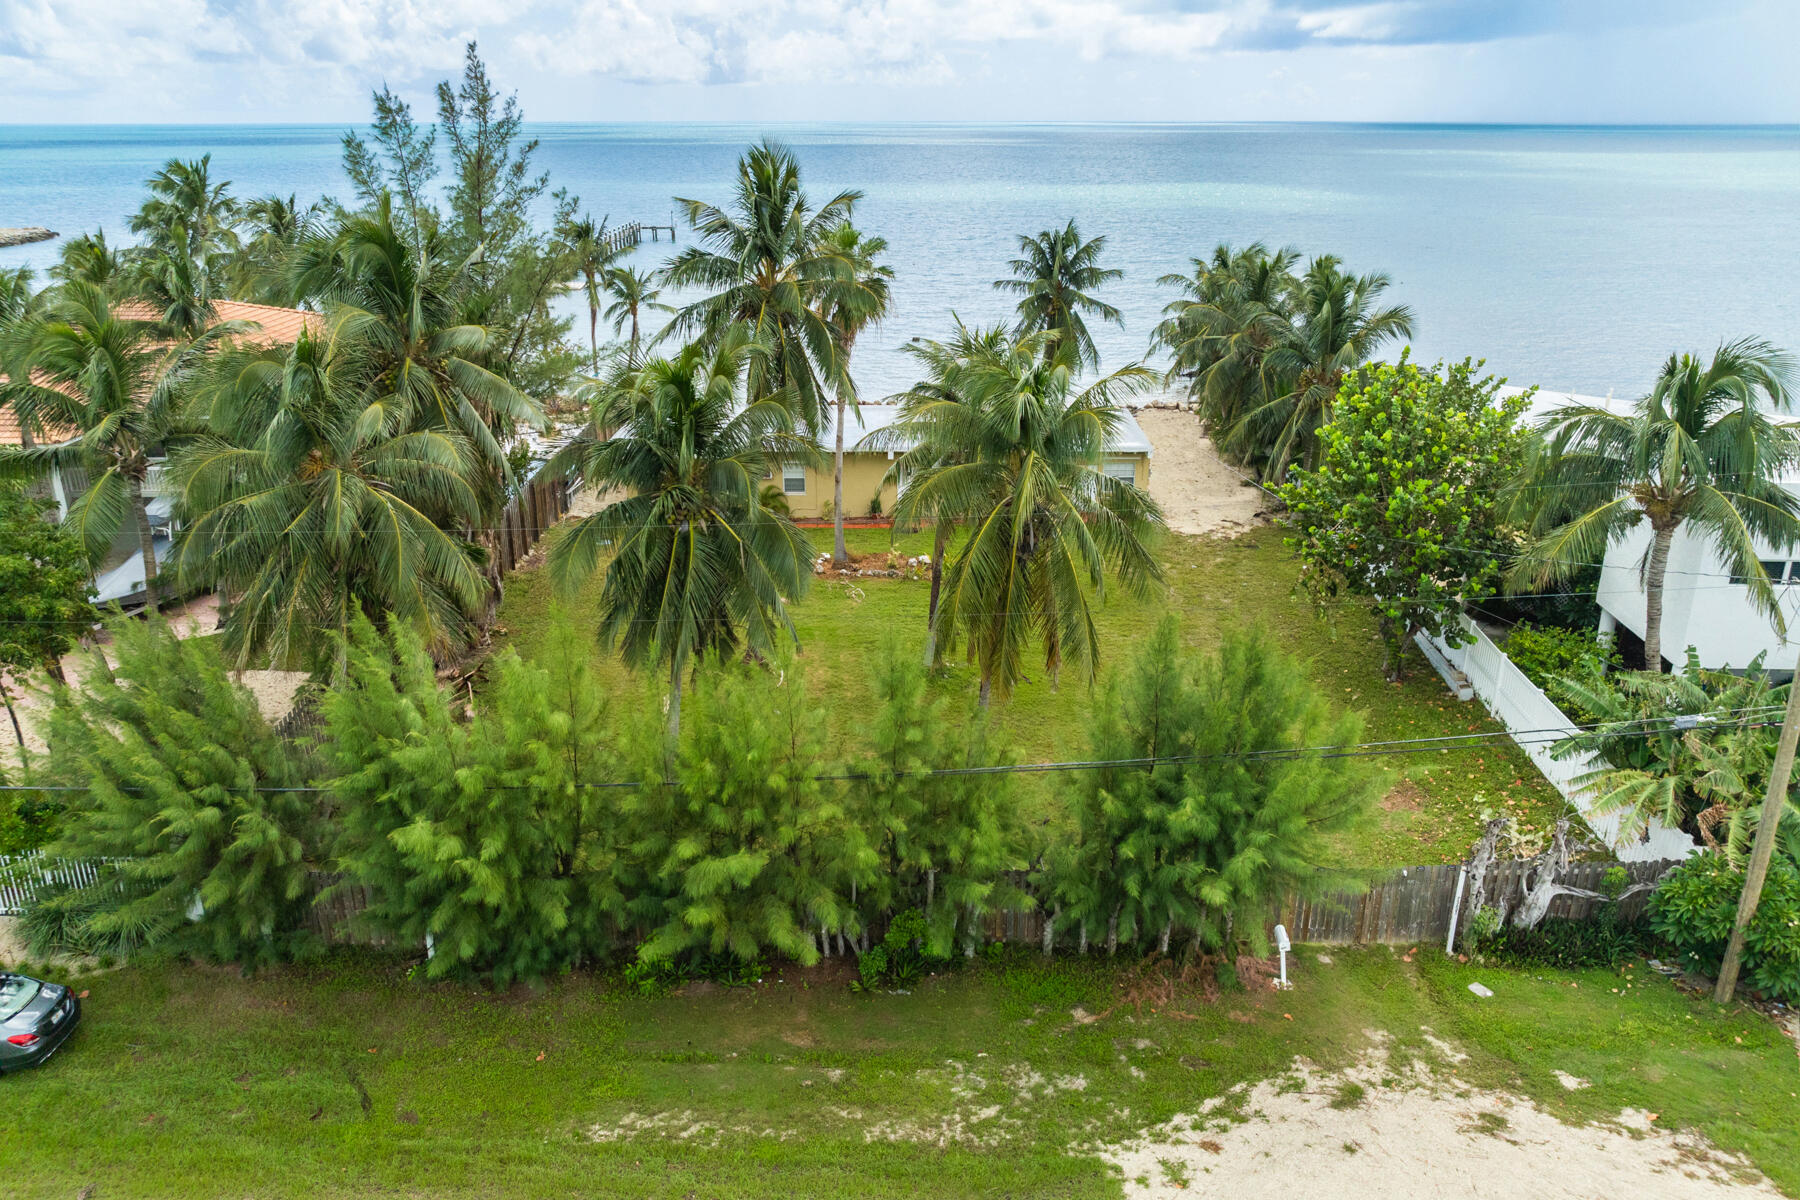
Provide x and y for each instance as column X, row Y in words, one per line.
column 1547, row 653
column 659, row 977
column 1566, row 944
column 1198, row 849
column 1696, row 905
column 901, row 956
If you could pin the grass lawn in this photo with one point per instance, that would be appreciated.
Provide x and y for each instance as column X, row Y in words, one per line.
column 345, row 1079
column 1431, row 815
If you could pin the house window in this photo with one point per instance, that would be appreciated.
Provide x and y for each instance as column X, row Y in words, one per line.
column 1776, row 571
column 793, row 479
column 1122, row 469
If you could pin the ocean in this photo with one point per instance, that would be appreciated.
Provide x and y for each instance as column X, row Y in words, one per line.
column 1573, row 258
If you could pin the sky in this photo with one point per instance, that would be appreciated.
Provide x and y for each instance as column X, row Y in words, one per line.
column 1556, row 61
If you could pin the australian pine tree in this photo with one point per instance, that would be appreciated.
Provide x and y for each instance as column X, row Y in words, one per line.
column 942, row 842
column 486, row 839
column 747, row 851
column 1196, row 850
column 197, row 802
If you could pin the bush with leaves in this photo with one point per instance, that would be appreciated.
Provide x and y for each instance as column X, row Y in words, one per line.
column 1565, row 944
column 1695, row 907
column 943, row 842
column 1604, row 940
column 899, row 958
column 745, row 850
column 43, row 591
column 1707, row 778
column 1404, row 506
column 196, row 804
column 1546, row 653
column 1200, row 845
column 492, row 840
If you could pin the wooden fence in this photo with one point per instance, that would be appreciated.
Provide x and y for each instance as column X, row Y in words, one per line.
column 532, row 512
column 1410, row 906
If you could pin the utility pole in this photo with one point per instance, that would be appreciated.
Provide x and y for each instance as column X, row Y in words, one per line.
column 1764, row 847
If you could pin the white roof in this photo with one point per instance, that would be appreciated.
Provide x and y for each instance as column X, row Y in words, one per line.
column 1129, row 439
column 1546, row 402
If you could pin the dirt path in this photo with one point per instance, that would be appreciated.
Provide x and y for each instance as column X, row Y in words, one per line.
column 1198, row 492
column 1367, row 1133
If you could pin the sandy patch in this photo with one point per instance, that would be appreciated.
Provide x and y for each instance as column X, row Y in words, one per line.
column 1366, row 1132
column 1198, row 492
column 274, row 690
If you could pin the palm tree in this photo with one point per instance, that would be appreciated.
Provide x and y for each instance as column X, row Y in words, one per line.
column 1700, row 451
column 1337, row 326
column 20, row 303
column 634, row 292
column 696, row 561
column 592, row 255
column 765, row 263
column 1017, row 457
column 943, row 366
column 398, row 304
column 1054, row 279
column 858, row 299
column 89, row 259
column 115, row 383
column 1234, row 309
column 310, row 499
column 177, row 285
column 189, row 224
column 274, row 227
column 188, row 211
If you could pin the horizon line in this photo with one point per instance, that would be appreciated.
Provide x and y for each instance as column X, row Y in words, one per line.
column 992, row 124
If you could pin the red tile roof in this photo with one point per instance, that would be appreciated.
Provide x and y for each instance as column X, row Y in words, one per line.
column 275, row 327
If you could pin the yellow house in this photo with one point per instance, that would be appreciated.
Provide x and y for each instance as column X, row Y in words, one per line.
column 808, row 489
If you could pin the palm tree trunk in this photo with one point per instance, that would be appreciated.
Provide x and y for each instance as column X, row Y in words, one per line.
column 987, row 687
column 674, row 698
column 634, row 335
column 1654, row 575
column 140, row 509
column 940, row 535
column 6, row 696
column 594, row 335
column 839, row 554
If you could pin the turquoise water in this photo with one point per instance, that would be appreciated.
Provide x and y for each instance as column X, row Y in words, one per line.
column 1574, row 258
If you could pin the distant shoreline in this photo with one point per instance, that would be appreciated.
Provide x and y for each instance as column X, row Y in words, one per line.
column 25, row 236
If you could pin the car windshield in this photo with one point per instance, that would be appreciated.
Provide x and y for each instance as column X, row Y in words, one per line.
column 16, row 992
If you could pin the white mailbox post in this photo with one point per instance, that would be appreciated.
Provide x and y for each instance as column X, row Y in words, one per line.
column 1283, row 945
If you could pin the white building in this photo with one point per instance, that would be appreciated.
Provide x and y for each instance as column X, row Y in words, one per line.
column 1705, row 605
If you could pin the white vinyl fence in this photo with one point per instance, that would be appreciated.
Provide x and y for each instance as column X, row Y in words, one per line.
column 1537, row 724
column 23, row 875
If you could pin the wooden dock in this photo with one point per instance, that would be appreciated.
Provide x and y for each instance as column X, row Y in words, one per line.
column 626, row 237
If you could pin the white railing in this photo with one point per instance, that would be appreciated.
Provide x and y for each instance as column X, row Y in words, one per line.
column 156, row 478
column 1537, row 724
column 22, row 875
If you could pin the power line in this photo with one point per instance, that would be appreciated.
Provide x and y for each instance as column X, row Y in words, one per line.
column 1641, row 727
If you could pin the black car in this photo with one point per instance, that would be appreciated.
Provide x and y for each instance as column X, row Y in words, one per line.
column 36, row 1018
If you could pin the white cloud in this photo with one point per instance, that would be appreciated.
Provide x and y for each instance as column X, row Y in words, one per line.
column 198, row 60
